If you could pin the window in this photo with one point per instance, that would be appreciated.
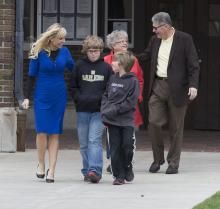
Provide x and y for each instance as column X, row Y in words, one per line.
column 175, row 10
column 79, row 17
column 29, row 23
column 120, row 16
column 214, row 20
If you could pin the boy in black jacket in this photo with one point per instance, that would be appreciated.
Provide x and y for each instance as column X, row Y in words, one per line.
column 88, row 84
column 118, row 107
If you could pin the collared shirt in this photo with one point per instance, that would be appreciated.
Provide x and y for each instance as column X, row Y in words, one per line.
column 163, row 56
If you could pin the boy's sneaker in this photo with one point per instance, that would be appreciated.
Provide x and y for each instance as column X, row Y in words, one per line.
column 109, row 169
column 86, row 178
column 118, row 181
column 94, row 178
column 129, row 174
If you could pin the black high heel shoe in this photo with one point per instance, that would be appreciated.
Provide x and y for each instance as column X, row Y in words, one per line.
column 40, row 176
column 49, row 180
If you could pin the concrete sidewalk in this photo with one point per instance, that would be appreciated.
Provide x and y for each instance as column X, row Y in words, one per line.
column 198, row 178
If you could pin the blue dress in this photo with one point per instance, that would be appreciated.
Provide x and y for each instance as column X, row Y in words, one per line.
column 50, row 90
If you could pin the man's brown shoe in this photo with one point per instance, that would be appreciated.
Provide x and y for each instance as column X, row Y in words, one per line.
column 156, row 166
column 171, row 170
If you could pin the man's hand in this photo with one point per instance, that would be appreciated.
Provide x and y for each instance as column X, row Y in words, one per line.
column 25, row 104
column 192, row 93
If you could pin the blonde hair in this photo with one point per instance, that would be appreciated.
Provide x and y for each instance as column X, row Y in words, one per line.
column 114, row 37
column 92, row 42
column 55, row 30
column 125, row 59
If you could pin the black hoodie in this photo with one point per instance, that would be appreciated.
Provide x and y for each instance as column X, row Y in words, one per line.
column 88, row 83
column 120, row 99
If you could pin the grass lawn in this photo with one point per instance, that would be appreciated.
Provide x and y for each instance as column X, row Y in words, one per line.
column 211, row 203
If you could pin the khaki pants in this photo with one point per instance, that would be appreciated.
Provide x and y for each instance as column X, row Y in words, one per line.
column 162, row 111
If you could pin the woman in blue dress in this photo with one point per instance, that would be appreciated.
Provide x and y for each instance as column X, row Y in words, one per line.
column 48, row 60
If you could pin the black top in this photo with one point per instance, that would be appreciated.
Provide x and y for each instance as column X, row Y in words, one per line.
column 88, row 83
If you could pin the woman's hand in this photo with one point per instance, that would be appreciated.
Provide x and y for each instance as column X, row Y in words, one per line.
column 25, row 104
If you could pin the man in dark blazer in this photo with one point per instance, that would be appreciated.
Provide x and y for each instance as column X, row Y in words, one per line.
column 174, row 75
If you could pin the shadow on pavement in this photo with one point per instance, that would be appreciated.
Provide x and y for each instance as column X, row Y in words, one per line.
column 194, row 140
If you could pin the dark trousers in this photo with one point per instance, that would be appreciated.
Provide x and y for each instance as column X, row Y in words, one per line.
column 122, row 145
column 107, row 144
column 161, row 111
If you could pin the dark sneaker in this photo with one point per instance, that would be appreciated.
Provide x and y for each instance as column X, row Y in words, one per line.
column 109, row 169
column 94, row 178
column 171, row 170
column 86, row 178
column 156, row 166
column 118, row 182
column 129, row 175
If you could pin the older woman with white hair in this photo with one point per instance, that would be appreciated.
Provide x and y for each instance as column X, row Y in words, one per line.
column 48, row 60
column 117, row 41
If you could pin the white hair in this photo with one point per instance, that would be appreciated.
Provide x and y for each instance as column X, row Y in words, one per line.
column 114, row 37
column 162, row 18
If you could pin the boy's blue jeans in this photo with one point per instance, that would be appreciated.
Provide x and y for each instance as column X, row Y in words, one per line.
column 90, row 130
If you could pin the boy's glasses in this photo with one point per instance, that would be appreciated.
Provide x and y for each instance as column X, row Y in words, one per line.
column 91, row 51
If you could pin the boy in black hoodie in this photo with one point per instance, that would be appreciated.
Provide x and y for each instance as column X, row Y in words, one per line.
column 88, row 84
column 118, row 107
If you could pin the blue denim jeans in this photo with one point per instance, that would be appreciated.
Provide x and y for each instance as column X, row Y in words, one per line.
column 90, row 130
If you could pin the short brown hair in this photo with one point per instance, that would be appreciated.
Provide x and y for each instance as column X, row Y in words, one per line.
column 126, row 59
column 92, row 42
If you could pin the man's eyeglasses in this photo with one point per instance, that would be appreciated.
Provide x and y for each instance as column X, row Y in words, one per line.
column 157, row 27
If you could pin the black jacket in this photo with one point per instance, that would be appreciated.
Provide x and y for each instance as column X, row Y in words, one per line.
column 88, row 83
column 120, row 99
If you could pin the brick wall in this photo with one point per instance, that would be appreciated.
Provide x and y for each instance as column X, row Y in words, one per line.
column 7, row 36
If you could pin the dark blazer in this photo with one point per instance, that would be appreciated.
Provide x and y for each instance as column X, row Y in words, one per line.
column 183, row 66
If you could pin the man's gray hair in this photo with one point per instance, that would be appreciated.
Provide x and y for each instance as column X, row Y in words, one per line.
column 162, row 18
column 114, row 37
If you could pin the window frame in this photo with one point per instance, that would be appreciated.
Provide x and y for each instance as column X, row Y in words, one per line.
column 130, row 44
column 27, row 44
column 213, row 22
column 94, row 17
